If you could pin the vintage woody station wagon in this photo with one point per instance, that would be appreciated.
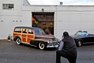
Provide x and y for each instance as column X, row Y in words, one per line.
column 34, row 36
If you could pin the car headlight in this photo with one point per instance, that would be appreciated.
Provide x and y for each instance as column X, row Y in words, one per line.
column 48, row 41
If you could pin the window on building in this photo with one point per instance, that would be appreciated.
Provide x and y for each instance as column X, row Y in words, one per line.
column 8, row 6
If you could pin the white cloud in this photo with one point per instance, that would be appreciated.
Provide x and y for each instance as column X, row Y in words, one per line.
column 42, row 2
column 78, row 2
column 65, row 2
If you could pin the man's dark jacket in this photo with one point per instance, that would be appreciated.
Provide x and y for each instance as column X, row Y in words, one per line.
column 69, row 46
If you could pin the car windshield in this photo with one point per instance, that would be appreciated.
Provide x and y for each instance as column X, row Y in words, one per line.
column 39, row 31
column 81, row 33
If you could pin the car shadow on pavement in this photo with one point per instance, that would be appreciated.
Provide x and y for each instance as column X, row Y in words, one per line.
column 90, row 44
column 47, row 49
column 50, row 49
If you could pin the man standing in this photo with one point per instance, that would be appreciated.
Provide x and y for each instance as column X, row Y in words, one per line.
column 67, row 49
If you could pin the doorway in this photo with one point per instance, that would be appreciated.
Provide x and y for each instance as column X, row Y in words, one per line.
column 44, row 20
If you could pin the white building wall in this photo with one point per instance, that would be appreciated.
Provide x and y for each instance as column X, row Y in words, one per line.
column 73, row 19
column 9, row 18
column 66, row 18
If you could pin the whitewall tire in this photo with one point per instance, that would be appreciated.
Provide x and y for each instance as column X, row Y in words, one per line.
column 41, row 46
column 79, row 43
column 18, row 41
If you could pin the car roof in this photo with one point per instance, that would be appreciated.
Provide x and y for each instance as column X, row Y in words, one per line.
column 26, row 27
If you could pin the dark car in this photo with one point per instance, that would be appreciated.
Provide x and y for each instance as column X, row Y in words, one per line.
column 34, row 36
column 83, row 37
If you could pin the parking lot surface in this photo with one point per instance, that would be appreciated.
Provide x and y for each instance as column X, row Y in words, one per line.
column 10, row 52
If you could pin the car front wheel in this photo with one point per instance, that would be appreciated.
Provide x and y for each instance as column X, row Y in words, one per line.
column 41, row 46
column 79, row 43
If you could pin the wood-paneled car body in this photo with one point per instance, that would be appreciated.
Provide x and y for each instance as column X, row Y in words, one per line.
column 83, row 37
column 34, row 36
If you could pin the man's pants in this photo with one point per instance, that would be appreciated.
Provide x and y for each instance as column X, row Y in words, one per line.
column 71, row 58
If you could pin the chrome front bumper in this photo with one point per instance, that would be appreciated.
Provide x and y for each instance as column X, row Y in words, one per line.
column 48, row 46
column 52, row 45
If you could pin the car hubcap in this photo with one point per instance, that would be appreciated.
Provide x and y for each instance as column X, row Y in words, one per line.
column 41, row 46
column 18, row 41
column 79, row 43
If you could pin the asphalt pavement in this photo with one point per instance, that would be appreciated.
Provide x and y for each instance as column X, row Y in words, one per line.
column 10, row 52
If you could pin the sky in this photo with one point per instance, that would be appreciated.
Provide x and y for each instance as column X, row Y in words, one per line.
column 65, row 2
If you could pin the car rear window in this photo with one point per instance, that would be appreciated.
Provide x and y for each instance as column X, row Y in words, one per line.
column 17, row 30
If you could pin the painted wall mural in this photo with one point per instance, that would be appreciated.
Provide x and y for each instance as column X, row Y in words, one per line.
column 44, row 20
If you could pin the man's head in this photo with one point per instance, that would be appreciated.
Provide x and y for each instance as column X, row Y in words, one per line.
column 65, row 34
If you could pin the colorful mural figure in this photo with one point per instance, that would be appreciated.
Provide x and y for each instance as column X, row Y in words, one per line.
column 34, row 22
column 44, row 21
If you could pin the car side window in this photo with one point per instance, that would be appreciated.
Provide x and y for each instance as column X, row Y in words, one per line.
column 17, row 30
column 30, row 31
column 24, row 30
